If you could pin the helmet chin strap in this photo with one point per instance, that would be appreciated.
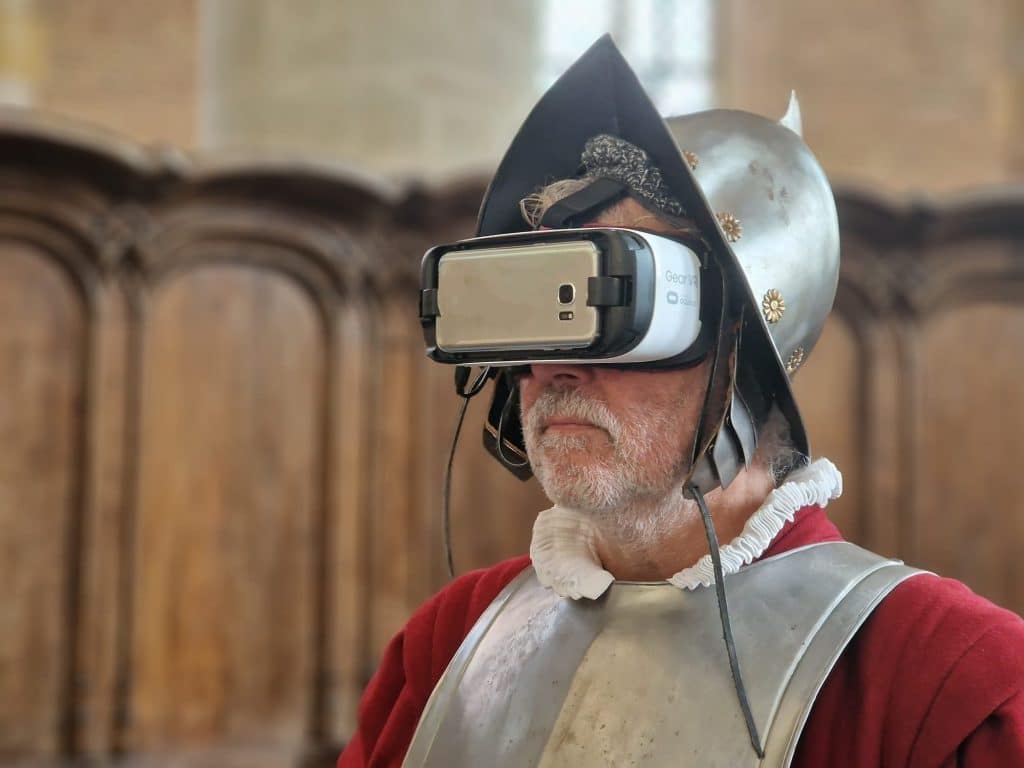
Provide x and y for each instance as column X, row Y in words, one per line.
column 704, row 470
column 723, row 615
column 712, row 466
column 693, row 490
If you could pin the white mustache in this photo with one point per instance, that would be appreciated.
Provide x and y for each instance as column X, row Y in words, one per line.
column 570, row 404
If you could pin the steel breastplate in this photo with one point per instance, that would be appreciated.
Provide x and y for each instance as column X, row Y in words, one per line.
column 640, row 677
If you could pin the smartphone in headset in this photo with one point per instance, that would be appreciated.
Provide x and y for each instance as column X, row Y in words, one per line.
column 518, row 297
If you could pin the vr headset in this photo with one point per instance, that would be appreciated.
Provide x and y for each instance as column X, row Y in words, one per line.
column 595, row 295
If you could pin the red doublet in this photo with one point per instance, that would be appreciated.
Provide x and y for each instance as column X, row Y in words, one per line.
column 933, row 678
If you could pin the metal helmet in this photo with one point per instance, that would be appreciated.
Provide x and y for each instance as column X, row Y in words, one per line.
column 775, row 207
column 760, row 200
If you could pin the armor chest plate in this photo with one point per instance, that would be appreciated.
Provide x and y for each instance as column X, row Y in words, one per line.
column 640, row 677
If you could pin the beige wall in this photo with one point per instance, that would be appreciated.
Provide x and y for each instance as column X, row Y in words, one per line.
column 403, row 88
column 908, row 96
column 920, row 95
column 126, row 66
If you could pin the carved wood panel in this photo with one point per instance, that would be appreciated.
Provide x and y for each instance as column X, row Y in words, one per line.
column 968, row 512
column 43, row 355
column 223, row 454
column 230, row 492
column 834, row 367
column 48, row 484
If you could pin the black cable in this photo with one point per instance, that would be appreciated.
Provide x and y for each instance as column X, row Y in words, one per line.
column 461, row 379
column 446, row 522
column 723, row 613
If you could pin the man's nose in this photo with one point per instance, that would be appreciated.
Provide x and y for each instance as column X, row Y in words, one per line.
column 545, row 374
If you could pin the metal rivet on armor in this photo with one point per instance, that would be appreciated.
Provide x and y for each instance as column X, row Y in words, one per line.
column 773, row 306
column 795, row 360
column 691, row 159
column 731, row 226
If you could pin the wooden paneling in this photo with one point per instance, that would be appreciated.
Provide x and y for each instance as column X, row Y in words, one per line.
column 392, row 513
column 224, row 449
column 347, row 639
column 224, row 552
column 836, row 367
column 104, row 548
column 969, row 510
column 42, row 351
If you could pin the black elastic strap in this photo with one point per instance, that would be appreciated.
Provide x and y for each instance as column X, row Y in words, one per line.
column 510, row 402
column 723, row 614
column 461, row 380
column 502, row 433
column 578, row 207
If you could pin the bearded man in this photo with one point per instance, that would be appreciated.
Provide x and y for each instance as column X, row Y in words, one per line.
column 614, row 643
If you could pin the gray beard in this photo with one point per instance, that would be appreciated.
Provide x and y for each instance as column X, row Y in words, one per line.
column 642, row 523
column 622, row 495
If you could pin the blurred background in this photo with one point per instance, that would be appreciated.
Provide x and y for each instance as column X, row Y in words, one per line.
column 926, row 97
column 221, row 448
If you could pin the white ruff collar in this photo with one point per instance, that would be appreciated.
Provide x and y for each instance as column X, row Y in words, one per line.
column 565, row 556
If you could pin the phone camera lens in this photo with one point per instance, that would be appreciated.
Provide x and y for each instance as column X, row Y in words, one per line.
column 566, row 293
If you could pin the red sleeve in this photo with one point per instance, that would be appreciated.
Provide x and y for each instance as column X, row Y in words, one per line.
column 413, row 663
column 977, row 717
column 997, row 741
column 963, row 665
column 935, row 677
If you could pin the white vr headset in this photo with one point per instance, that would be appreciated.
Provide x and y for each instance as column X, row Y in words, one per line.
column 594, row 295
